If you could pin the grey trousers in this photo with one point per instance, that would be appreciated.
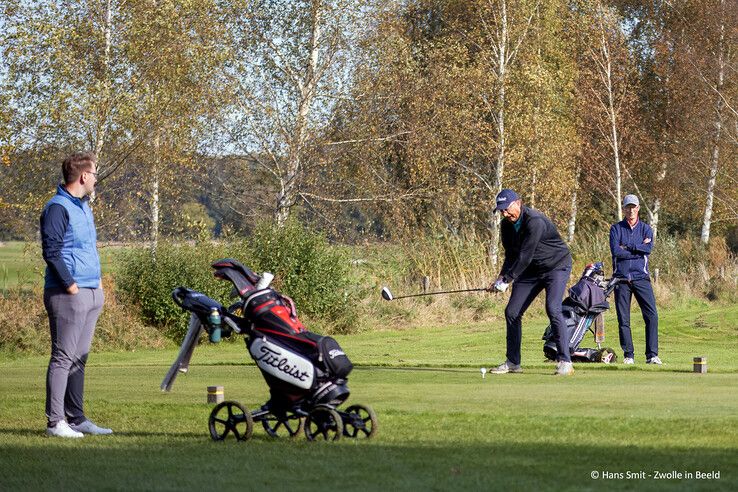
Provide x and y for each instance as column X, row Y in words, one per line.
column 72, row 321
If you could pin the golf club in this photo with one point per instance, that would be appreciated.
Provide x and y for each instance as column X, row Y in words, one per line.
column 387, row 295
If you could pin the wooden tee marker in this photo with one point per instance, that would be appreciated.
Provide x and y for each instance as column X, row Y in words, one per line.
column 700, row 365
column 215, row 394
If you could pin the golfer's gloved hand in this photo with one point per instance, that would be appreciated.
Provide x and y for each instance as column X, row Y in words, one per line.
column 501, row 285
column 498, row 285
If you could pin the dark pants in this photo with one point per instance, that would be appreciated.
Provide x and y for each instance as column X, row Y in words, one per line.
column 643, row 293
column 72, row 321
column 524, row 290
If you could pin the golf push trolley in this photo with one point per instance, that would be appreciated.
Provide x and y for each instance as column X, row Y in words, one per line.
column 582, row 310
column 307, row 373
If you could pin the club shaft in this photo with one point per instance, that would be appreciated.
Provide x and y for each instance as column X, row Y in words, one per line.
column 440, row 292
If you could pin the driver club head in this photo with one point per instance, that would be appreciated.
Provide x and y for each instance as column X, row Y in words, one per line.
column 386, row 294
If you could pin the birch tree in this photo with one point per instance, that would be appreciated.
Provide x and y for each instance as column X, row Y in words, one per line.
column 107, row 76
column 571, row 225
column 601, row 55
column 718, row 86
column 700, row 84
column 430, row 104
column 290, row 67
column 46, row 47
column 65, row 86
column 544, row 130
column 505, row 26
column 176, row 58
column 607, row 100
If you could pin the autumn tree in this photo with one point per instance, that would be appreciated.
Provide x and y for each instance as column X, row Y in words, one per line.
column 712, row 28
column 425, row 123
column 111, row 77
column 289, row 68
column 176, row 59
column 610, row 126
column 686, row 58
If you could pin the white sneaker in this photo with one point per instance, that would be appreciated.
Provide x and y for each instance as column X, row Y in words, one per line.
column 506, row 367
column 88, row 427
column 62, row 429
column 564, row 368
column 654, row 360
column 628, row 360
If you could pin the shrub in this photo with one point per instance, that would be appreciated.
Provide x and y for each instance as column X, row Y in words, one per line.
column 119, row 327
column 591, row 244
column 147, row 280
column 306, row 268
column 24, row 324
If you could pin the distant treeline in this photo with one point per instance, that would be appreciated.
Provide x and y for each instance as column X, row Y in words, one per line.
column 370, row 119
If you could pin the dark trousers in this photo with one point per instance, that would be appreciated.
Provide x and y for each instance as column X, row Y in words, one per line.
column 643, row 293
column 524, row 290
column 72, row 321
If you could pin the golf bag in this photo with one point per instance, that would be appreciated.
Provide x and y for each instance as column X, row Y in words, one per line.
column 582, row 311
column 300, row 367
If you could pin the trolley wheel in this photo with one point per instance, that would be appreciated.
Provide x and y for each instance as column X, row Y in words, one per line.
column 361, row 421
column 323, row 423
column 607, row 356
column 230, row 417
column 290, row 426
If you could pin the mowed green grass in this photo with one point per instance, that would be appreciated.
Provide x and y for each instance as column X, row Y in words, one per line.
column 17, row 265
column 21, row 263
column 441, row 426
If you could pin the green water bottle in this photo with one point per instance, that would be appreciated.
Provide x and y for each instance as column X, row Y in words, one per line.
column 214, row 321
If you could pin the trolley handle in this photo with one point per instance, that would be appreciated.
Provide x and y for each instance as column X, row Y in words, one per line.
column 611, row 283
column 178, row 295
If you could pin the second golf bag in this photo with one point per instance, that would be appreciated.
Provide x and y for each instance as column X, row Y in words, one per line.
column 582, row 311
column 306, row 372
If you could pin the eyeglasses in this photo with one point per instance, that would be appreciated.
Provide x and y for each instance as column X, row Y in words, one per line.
column 90, row 172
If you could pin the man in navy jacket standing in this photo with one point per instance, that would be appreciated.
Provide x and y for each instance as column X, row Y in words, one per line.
column 536, row 259
column 73, row 295
column 631, row 242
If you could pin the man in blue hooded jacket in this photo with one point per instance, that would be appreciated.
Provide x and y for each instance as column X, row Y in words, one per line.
column 631, row 242
column 73, row 295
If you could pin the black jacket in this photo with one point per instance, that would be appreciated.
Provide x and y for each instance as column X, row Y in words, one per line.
column 534, row 250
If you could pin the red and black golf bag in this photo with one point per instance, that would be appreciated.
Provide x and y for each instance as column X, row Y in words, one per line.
column 300, row 367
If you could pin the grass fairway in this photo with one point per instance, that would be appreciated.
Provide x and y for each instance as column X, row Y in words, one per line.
column 21, row 264
column 441, row 426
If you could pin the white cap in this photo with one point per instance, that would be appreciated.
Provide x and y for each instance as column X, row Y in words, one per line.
column 630, row 200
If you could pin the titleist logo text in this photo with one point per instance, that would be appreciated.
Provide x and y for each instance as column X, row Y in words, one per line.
column 275, row 359
column 335, row 353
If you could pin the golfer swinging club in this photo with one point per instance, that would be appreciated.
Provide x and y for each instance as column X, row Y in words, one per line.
column 536, row 258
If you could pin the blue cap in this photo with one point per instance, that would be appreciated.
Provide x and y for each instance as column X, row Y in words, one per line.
column 505, row 198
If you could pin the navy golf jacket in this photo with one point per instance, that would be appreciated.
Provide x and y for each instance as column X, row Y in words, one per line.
column 535, row 249
column 629, row 253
